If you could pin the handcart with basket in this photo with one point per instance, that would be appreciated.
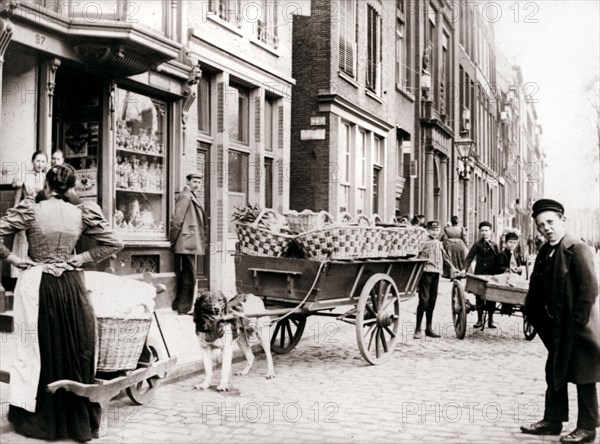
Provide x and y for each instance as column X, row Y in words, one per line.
column 130, row 357
column 321, row 265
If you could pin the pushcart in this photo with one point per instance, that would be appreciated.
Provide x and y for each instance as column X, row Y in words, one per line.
column 140, row 383
column 513, row 297
column 293, row 289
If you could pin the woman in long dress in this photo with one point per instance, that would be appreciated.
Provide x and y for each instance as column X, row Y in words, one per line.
column 28, row 184
column 455, row 243
column 51, row 297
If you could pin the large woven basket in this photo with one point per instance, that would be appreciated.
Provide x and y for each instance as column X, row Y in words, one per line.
column 120, row 342
column 259, row 241
column 332, row 242
column 307, row 220
column 405, row 240
column 376, row 239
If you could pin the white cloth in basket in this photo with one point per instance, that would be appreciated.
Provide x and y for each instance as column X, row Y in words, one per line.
column 118, row 297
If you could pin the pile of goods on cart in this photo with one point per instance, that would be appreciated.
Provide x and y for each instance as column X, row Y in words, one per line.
column 318, row 236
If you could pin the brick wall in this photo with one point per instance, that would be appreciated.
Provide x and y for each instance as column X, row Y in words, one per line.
column 311, row 62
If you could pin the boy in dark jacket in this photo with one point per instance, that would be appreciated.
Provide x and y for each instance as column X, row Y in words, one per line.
column 485, row 252
column 509, row 260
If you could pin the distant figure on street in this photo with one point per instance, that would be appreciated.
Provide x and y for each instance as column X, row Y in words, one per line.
column 455, row 243
column 530, row 245
column 562, row 306
column 538, row 243
column 187, row 237
column 484, row 251
column 433, row 251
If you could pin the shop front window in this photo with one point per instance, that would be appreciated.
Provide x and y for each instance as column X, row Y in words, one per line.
column 140, row 166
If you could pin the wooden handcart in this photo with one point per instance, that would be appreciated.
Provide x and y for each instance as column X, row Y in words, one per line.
column 490, row 292
column 297, row 288
column 140, row 383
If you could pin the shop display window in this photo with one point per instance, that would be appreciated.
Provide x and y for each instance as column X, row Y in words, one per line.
column 140, row 167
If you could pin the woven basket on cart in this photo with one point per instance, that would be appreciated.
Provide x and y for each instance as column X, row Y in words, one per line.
column 336, row 241
column 376, row 238
column 405, row 240
column 120, row 342
column 255, row 240
column 307, row 220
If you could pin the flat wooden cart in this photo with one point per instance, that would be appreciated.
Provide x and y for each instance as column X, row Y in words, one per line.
column 514, row 298
column 296, row 288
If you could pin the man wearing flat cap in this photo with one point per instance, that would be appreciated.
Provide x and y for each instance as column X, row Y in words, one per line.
column 484, row 251
column 433, row 251
column 187, row 237
column 562, row 306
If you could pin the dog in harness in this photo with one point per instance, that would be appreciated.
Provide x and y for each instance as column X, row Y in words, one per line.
column 220, row 323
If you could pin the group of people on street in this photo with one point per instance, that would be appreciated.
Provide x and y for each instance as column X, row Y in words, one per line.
column 561, row 304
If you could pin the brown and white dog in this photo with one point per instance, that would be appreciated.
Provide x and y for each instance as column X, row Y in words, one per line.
column 217, row 336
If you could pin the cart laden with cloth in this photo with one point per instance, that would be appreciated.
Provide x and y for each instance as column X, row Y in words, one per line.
column 128, row 356
column 309, row 264
column 507, row 291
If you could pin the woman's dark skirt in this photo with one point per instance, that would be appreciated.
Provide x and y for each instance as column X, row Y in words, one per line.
column 66, row 331
column 457, row 251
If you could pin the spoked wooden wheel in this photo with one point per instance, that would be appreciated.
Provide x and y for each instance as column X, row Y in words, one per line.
column 377, row 318
column 287, row 333
column 143, row 392
column 459, row 310
column 528, row 329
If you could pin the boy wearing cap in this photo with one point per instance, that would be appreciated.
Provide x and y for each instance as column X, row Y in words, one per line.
column 436, row 256
column 562, row 306
column 509, row 260
column 484, row 251
column 187, row 237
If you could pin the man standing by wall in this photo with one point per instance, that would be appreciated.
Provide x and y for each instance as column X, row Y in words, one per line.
column 187, row 236
column 562, row 306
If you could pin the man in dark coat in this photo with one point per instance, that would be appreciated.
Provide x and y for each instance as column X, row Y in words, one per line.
column 188, row 238
column 562, row 305
column 485, row 252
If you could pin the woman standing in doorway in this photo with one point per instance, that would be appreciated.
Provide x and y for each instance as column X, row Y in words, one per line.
column 28, row 184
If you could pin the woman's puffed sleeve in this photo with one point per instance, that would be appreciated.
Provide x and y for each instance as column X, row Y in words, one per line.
column 96, row 227
column 16, row 219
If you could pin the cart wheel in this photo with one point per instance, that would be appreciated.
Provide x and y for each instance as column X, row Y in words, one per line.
column 143, row 392
column 377, row 318
column 528, row 329
column 287, row 333
column 459, row 310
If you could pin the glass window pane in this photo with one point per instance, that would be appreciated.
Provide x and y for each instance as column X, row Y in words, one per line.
column 238, row 113
column 237, row 182
column 140, row 166
column 204, row 104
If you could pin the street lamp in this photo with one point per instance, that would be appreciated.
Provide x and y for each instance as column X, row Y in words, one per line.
column 465, row 149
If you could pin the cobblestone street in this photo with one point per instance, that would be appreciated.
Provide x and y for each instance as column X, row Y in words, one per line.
column 480, row 389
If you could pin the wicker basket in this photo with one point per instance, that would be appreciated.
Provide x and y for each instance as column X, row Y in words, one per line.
column 259, row 241
column 120, row 342
column 335, row 241
column 307, row 220
column 405, row 240
column 376, row 239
